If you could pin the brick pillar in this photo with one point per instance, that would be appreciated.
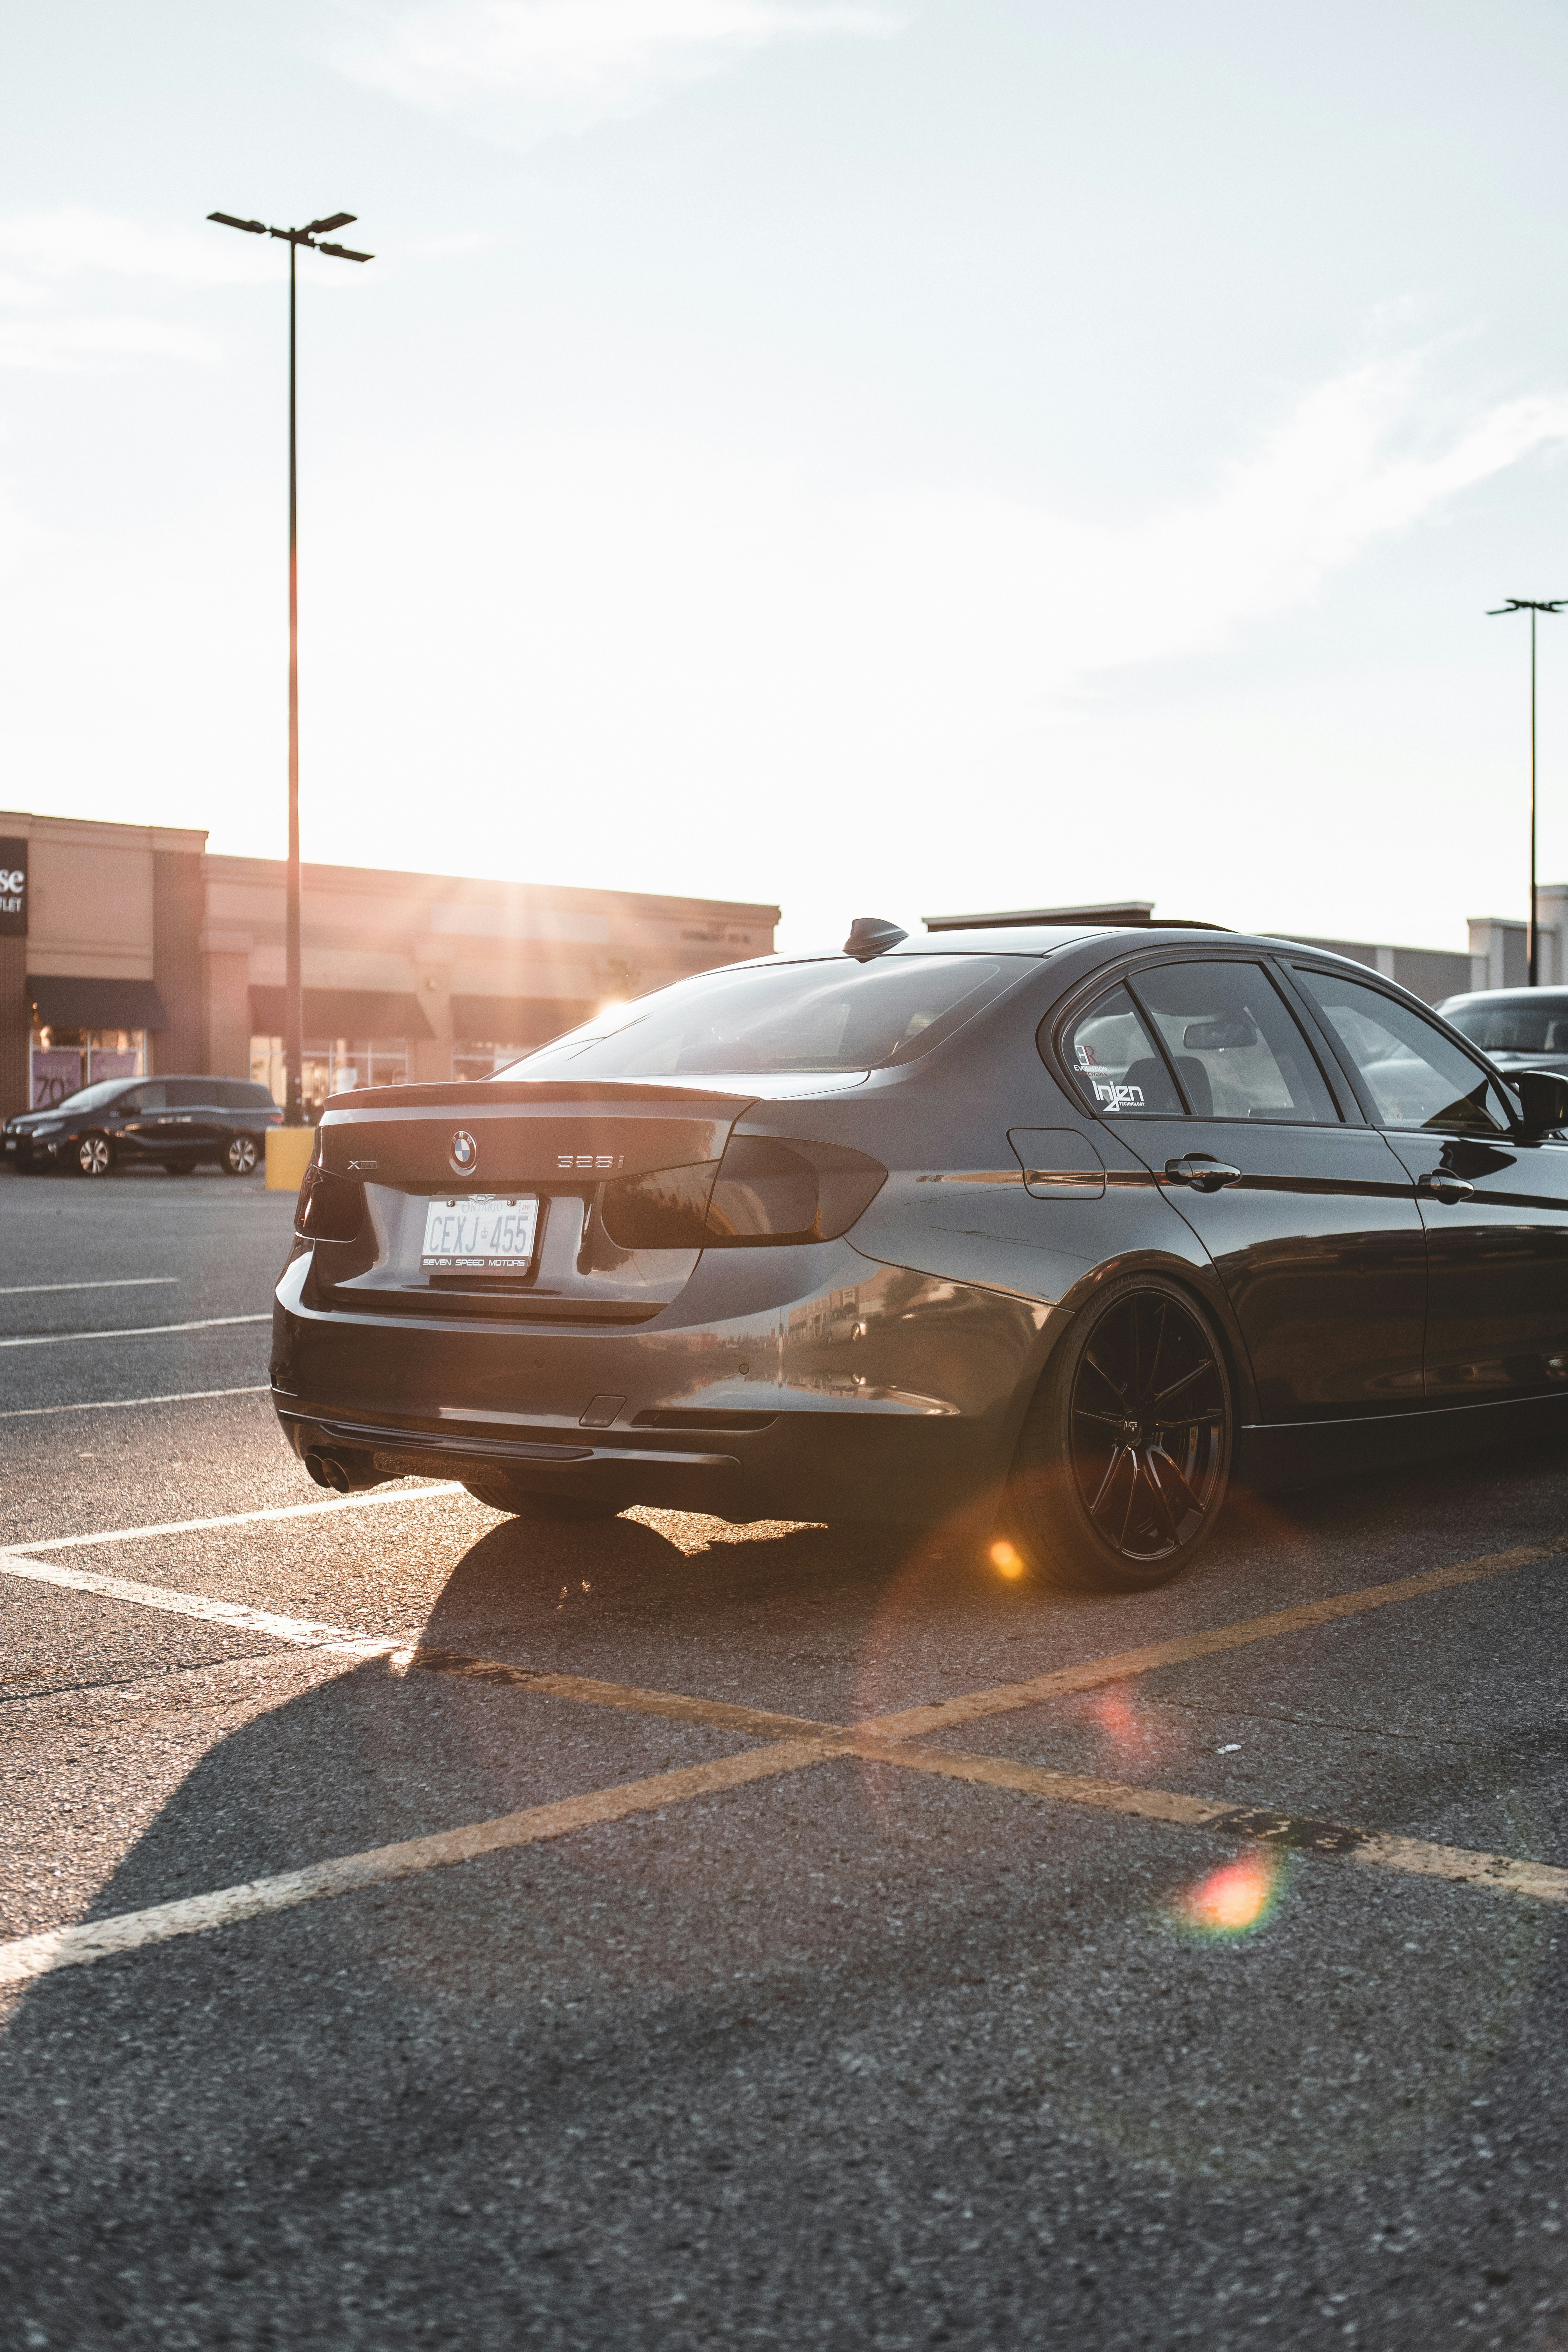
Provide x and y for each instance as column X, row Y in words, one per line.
column 228, row 958
column 178, row 905
column 430, row 1058
column 16, row 1026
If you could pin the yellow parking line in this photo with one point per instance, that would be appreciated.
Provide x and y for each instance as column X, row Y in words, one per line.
column 912, row 1722
column 1504, row 1873
column 716, row 1715
column 26, row 1957
column 882, row 1740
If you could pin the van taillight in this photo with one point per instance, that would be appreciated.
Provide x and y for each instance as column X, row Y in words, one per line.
column 762, row 1191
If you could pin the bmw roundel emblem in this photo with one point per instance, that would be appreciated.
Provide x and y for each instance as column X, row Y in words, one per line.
column 465, row 1152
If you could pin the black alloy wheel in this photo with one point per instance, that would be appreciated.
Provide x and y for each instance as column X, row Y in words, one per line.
column 95, row 1155
column 240, row 1158
column 1125, row 1454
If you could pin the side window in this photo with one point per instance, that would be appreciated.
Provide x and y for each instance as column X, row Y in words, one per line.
column 1117, row 1069
column 142, row 1099
column 1239, row 1050
column 1415, row 1076
column 192, row 1093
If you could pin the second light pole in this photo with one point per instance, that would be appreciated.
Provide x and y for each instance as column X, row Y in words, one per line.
column 1532, row 605
column 293, row 1000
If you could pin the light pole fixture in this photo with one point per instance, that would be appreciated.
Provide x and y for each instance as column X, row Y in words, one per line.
column 313, row 234
column 1532, row 605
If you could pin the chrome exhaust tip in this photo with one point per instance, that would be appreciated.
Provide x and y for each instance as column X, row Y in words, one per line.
column 327, row 1471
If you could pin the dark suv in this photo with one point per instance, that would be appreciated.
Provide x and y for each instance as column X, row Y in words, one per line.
column 177, row 1122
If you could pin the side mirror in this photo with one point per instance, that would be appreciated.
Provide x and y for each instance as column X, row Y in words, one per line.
column 1542, row 1100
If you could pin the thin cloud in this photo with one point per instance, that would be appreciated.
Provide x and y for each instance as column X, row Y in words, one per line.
column 70, row 346
column 66, row 275
column 521, row 69
column 1350, row 466
column 895, row 638
column 75, row 242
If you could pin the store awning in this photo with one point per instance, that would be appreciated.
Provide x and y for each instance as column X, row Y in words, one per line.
column 517, row 1020
column 61, row 1001
column 368, row 1013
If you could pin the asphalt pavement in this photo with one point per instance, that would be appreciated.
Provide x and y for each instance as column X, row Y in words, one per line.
column 418, row 1928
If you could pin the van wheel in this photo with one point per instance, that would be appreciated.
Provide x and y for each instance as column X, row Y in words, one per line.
column 1124, row 1458
column 528, row 1503
column 239, row 1160
column 95, row 1155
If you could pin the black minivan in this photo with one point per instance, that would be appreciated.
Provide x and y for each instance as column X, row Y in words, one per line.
column 178, row 1123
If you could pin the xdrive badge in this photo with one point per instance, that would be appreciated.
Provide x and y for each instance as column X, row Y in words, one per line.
column 465, row 1152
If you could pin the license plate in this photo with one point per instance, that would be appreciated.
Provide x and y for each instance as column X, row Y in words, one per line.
column 480, row 1232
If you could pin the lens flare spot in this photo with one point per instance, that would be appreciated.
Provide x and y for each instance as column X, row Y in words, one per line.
column 1232, row 1900
column 1005, row 1560
column 1117, row 1716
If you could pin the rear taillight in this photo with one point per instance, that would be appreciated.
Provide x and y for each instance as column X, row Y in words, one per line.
column 665, row 1210
column 762, row 1191
column 330, row 1208
column 768, row 1190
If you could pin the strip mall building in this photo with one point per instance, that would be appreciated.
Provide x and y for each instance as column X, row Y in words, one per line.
column 127, row 949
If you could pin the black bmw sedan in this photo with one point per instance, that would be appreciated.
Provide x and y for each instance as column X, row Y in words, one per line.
column 176, row 1123
column 1047, row 1236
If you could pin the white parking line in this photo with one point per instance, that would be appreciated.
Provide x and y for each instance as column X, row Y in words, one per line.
column 12, row 1553
column 118, row 1282
column 131, row 1331
column 23, row 1957
column 302, row 1629
column 409, row 1656
column 119, row 1404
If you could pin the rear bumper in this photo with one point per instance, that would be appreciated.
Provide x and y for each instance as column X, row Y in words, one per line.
column 843, row 1390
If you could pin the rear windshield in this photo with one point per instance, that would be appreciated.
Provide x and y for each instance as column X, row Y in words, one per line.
column 794, row 1016
column 1536, row 1024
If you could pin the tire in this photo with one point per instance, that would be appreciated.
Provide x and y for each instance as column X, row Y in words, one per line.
column 94, row 1154
column 241, row 1157
column 1112, row 1490
column 525, row 1502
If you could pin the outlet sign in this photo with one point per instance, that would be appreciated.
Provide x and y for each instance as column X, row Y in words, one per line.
column 13, row 888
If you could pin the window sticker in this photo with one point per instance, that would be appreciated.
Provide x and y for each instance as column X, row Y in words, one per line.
column 1115, row 1068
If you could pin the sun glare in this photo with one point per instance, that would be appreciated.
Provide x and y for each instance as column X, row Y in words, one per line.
column 1233, row 1899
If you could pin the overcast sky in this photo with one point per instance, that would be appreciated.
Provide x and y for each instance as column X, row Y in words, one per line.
column 878, row 455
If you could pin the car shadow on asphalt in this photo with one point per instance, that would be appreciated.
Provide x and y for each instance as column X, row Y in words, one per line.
column 826, row 1623
column 222, row 2128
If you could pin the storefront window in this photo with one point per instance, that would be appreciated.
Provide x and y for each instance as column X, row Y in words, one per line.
column 62, row 1060
column 477, row 1057
column 331, row 1066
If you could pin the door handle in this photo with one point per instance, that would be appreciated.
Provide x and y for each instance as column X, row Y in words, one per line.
column 1203, row 1174
column 1443, row 1186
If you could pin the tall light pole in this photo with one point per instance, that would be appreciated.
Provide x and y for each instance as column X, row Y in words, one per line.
column 293, row 1004
column 1532, row 605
